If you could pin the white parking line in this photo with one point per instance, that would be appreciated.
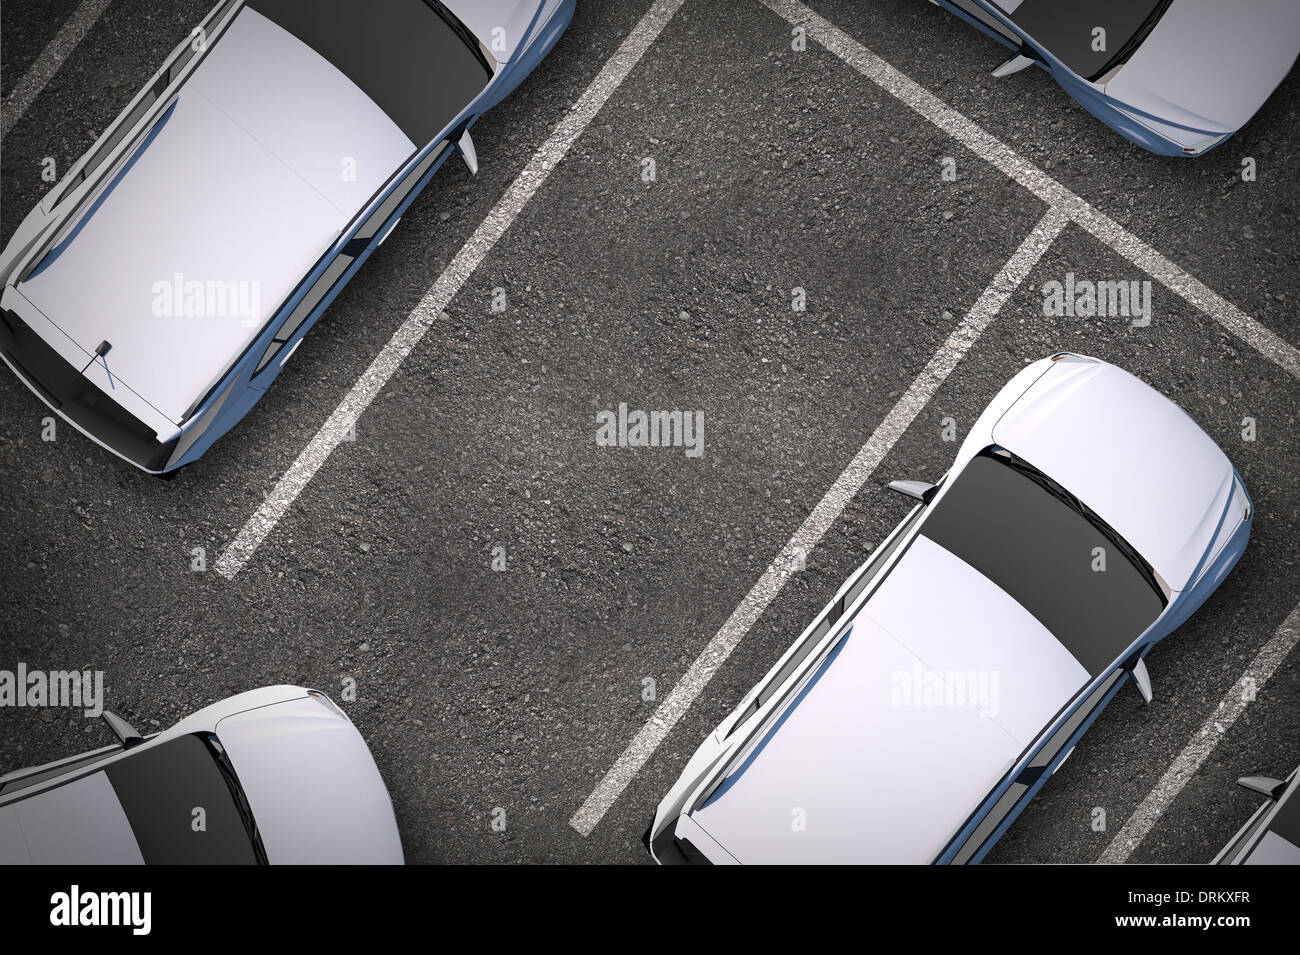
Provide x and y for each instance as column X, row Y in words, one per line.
column 993, row 151
column 1203, row 743
column 430, row 307
column 72, row 32
column 824, row 515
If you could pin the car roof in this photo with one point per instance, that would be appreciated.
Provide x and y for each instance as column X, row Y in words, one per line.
column 1128, row 453
column 938, row 688
column 254, row 149
column 77, row 823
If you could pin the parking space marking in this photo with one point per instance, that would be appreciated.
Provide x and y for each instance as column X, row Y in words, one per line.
column 823, row 516
column 1204, row 741
column 998, row 154
column 538, row 169
column 50, row 61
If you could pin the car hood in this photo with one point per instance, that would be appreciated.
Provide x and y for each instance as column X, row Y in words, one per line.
column 1131, row 455
column 1209, row 64
column 312, row 784
column 502, row 26
column 215, row 219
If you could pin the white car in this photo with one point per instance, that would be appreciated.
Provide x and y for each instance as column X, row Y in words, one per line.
column 1086, row 517
column 277, row 775
column 152, row 297
column 1272, row 834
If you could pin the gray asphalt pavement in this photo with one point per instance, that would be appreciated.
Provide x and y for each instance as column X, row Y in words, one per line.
column 482, row 690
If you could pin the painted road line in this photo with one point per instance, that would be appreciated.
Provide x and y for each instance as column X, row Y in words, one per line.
column 50, row 61
column 1204, row 741
column 823, row 516
column 998, row 154
column 538, row 169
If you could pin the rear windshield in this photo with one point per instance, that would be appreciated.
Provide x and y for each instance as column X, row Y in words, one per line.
column 1068, row 29
column 412, row 57
column 180, row 806
column 1059, row 561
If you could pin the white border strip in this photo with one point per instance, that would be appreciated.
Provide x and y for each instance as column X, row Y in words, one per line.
column 1203, row 743
column 824, row 515
column 50, row 61
column 997, row 154
column 439, row 296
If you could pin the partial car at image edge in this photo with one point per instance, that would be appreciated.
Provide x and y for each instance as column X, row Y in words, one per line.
column 1176, row 77
column 1272, row 834
column 277, row 775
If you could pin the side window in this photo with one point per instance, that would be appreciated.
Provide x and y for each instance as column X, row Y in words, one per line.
column 59, row 769
column 880, row 556
column 986, row 18
column 1034, row 771
column 1052, row 748
column 125, row 127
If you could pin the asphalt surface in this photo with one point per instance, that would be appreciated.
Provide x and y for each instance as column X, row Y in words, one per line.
column 481, row 691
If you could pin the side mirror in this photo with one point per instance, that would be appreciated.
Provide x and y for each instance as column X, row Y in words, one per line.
column 919, row 490
column 1014, row 65
column 468, row 152
column 126, row 733
column 1264, row 785
column 1141, row 678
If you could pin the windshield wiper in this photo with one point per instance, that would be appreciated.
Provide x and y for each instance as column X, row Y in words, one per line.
column 1130, row 46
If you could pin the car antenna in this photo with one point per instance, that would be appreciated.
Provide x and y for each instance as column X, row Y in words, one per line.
column 102, row 354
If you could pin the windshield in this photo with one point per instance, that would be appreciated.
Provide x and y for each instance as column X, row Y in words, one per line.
column 184, row 805
column 1044, row 548
column 1069, row 29
column 413, row 58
